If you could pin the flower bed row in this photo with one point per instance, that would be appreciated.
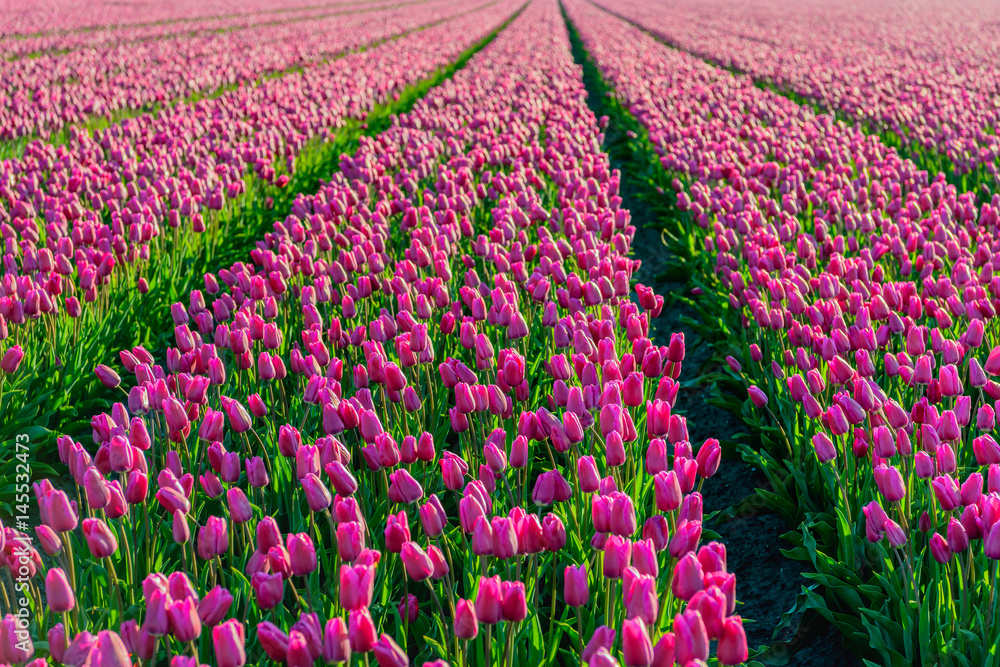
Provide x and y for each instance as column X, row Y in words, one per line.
column 425, row 422
column 862, row 291
column 13, row 47
column 930, row 86
column 104, row 273
column 107, row 198
column 21, row 21
column 41, row 97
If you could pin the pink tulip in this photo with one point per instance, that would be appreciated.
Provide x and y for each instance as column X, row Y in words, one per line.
column 100, row 540
column 58, row 592
column 637, row 647
column 269, row 589
column 228, row 640
column 732, row 648
column 361, row 630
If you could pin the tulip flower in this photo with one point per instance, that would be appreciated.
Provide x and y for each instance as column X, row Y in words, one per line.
column 213, row 607
column 389, row 654
column 637, row 647
column 239, row 506
column 409, row 609
column 466, row 624
column 356, row 586
column 514, row 604
column 361, row 630
column 100, row 540
column 397, row 532
column 758, row 397
column 350, row 540
column 416, row 561
column 602, row 639
column 185, row 624
column 617, row 556
column 991, row 543
column 229, row 642
column 732, row 648
column 213, row 538
column 317, row 495
column 688, row 577
column 62, row 516
column 58, row 592
column 667, row 491
column 576, row 591
column 273, row 640
column 403, row 488
column 336, row 642
column 302, row 554
column 112, row 649
column 269, row 589
column 489, row 600
column 690, row 637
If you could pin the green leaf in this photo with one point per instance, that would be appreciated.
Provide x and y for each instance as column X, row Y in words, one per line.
column 923, row 623
column 846, row 541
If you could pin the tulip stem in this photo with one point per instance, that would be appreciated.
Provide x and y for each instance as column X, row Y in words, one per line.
column 296, row 593
column 263, row 448
column 406, row 610
column 609, row 606
column 385, row 482
column 552, row 612
column 993, row 604
column 187, row 452
column 579, row 631
column 113, row 576
column 39, row 606
column 788, row 442
column 194, row 651
column 308, row 592
column 534, row 566
column 149, row 551
column 963, row 576
column 434, row 595
column 843, row 492
column 510, row 495
column 129, row 576
column 488, row 647
column 508, row 644
column 68, row 543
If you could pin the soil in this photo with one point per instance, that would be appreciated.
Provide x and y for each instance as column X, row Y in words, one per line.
column 767, row 582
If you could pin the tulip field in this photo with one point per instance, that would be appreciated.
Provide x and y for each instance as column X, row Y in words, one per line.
column 499, row 333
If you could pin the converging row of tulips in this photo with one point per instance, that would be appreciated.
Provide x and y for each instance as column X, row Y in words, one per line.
column 139, row 200
column 425, row 422
column 40, row 97
column 68, row 19
column 114, row 27
column 838, row 56
column 109, row 197
column 866, row 291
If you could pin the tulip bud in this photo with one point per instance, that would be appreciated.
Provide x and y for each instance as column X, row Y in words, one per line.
column 466, row 623
column 58, row 592
column 229, row 641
